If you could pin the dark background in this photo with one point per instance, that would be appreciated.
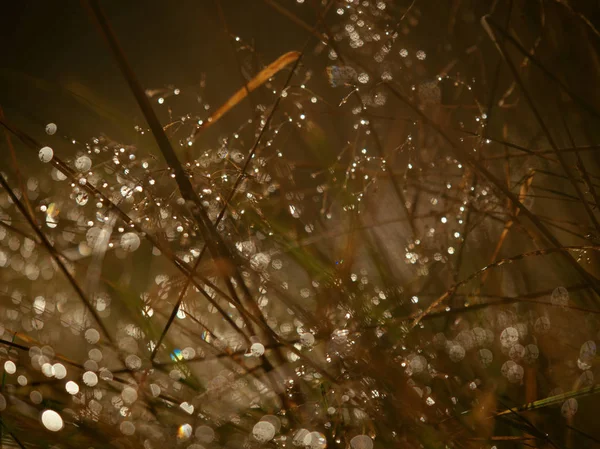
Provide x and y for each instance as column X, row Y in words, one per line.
column 55, row 67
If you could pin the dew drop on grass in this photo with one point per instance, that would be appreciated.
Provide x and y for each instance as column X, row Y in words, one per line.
column 587, row 351
column 560, row 296
column 300, row 436
column 133, row 362
column 10, row 367
column 90, row 378
column 263, row 431
column 273, row 420
column 81, row 198
column 51, row 129
column 569, row 408
column 456, row 353
column 155, row 390
column 363, row 78
column 187, row 407
column 531, row 353
column 184, row 432
column 127, row 428
column 205, row 434
column 257, row 349
column 130, row 241
column 83, row 163
column 509, row 337
column 52, row 420
column 35, row 397
column 316, row 440
column 260, row 261
column 46, row 154
column 129, row 395
column 92, row 335
column 72, row 387
column 59, row 370
column 307, row 339
column 361, row 442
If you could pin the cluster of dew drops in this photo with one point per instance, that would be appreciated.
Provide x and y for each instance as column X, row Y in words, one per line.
column 74, row 218
column 80, row 219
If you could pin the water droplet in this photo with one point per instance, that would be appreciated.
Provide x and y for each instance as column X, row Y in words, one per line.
column 51, row 129
column 560, row 296
column 569, row 408
column 92, row 335
column 260, row 261
column 72, row 387
column 188, row 408
column 307, row 339
column 127, row 428
column 83, row 163
column 509, row 337
column 316, row 440
column 129, row 395
column 81, row 198
column 46, row 154
column 90, row 378
column 257, row 350
column 456, row 353
column 184, row 432
column 10, row 367
column 361, row 442
column 205, row 434
column 130, row 241
column 263, row 431
column 59, row 370
column 52, row 420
